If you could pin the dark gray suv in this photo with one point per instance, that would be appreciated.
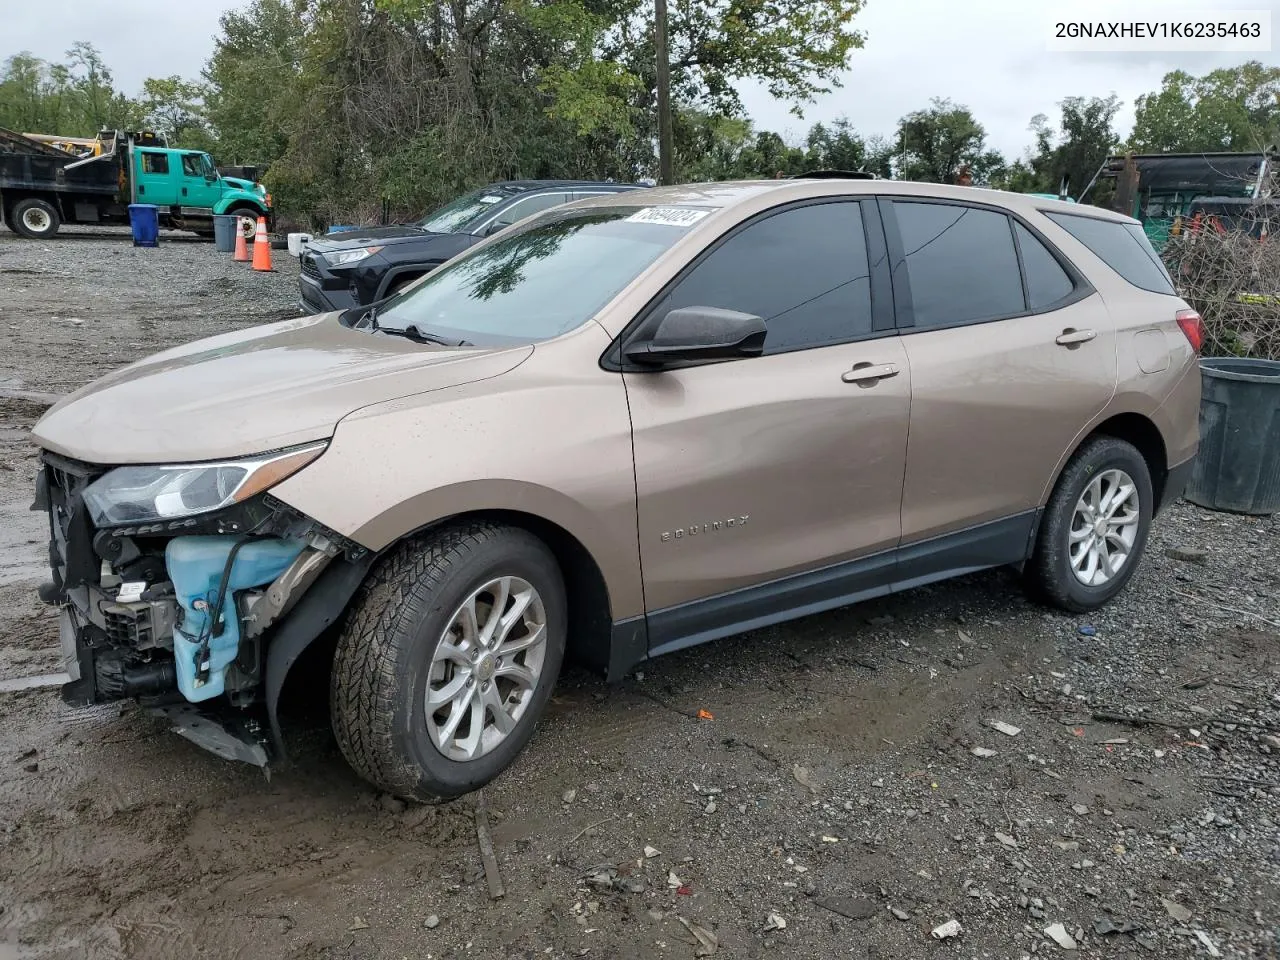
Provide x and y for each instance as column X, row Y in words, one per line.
column 362, row 266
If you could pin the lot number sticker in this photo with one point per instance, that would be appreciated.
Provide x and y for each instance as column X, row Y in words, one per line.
column 670, row 216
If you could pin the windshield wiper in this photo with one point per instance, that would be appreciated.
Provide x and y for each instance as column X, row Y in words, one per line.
column 415, row 333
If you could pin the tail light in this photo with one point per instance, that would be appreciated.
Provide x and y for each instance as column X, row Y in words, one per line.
column 1193, row 326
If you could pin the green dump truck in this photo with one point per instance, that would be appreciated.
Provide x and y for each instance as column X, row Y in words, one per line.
column 43, row 186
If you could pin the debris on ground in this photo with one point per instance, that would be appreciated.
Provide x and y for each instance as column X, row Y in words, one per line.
column 1176, row 910
column 775, row 921
column 946, row 930
column 1058, row 934
column 848, row 907
column 900, row 914
column 1008, row 729
column 432, row 922
column 983, row 752
column 703, row 936
column 651, row 852
column 804, row 778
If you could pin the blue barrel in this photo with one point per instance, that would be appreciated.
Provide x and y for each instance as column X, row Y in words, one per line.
column 224, row 233
column 342, row 228
column 144, row 220
column 1238, row 466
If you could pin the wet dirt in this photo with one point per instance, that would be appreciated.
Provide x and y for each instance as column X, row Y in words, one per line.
column 835, row 779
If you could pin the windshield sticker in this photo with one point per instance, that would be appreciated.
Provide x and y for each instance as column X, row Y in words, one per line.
column 671, row 216
column 489, row 199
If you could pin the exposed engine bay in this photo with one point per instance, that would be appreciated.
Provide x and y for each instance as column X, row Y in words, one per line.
column 177, row 612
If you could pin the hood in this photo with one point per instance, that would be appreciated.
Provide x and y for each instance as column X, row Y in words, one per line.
column 260, row 389
column 372, row 236
column 239, row 184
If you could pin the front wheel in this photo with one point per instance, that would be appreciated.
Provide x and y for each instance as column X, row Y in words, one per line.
column 248, row 222
column 448, row 659
column 1094, row 528
column 34, row 219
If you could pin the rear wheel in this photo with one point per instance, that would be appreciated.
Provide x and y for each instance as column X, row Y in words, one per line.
column 34, row 218
column 1094, row 528
column 448, row 660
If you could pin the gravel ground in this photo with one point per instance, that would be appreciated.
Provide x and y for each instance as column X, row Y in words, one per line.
column 848, row 795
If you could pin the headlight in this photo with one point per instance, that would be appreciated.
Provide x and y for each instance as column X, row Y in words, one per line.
column 344, row 257
column 129, row 495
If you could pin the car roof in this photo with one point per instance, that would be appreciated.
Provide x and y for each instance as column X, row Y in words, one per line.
column 526, row 186
column 724, row 194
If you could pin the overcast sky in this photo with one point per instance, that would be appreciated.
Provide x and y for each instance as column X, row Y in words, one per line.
column 989, row 55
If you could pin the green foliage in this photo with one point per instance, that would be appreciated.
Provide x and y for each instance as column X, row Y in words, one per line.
column 1230, row 109
column 1077, row 149
column 934, row 145
column 72, row 99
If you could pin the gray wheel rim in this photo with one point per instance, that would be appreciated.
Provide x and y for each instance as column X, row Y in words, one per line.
column 1104, row 528
column 485, row 668
column 36, row 220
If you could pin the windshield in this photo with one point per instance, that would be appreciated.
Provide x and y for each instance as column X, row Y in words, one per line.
column 541, row 281
column 456, row 214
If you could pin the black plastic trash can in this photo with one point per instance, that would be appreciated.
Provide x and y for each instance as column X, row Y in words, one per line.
column 1238, row 467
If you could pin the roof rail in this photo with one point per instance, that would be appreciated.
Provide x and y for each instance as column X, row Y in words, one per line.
column 834, row 175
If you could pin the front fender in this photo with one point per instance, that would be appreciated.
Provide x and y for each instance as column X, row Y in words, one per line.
column 239, row 198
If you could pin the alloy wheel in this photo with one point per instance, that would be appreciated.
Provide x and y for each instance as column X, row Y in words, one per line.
column 1104, row 527
column 486, row 668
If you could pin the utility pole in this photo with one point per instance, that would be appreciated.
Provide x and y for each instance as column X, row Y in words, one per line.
column 666, row 172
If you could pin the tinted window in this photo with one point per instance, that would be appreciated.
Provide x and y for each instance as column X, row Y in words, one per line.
column 803, row 270
column 961, row 263
column 528, row 206
column 548, row 277
column 1047, row 282
column 1122, row 246
column 466, row 209
column 155, row 163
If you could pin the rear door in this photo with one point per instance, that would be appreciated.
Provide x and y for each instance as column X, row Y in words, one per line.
column 1012, row 354
column 754, row 469
column 155, row 180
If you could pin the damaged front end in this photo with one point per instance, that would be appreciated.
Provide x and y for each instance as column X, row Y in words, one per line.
column 177, row 584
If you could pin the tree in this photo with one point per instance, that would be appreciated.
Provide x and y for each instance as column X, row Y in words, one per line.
column 73, row 99
column 173, row 107
column 1230, row 109
column 935, row 144
column 1075, row 150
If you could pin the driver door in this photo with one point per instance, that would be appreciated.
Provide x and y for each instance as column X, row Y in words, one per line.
column 199, row 184
column 762, row 481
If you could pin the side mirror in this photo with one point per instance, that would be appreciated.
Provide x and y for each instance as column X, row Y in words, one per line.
column 494, row 227
column 700, row 333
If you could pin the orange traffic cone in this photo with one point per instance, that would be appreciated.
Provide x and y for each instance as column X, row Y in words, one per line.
column 242, row 249
column 262, row 247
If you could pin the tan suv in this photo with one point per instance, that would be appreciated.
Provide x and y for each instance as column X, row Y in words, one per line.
column 616, row 429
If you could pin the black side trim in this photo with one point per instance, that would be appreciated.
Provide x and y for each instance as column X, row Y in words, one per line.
column 320, row 606
column 752, row 607
column 1175, row 483
column 992, row 544
column 954, row 554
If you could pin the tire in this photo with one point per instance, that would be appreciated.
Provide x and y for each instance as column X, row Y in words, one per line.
column 383, row 665
column 1051, row 574
column 34, row 219
column 252, row 213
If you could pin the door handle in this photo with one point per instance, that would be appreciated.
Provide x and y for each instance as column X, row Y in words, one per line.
column 184, row 191
column 866, row 372
column 1071, row 337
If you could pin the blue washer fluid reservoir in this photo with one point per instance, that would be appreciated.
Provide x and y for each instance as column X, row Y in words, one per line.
column 195, row 566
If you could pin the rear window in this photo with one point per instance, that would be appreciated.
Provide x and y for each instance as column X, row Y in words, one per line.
column 1122, row 246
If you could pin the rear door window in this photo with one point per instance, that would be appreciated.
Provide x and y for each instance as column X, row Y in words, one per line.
column 803, row 270
column 1047, row 282
column 528, row 206
column 961, row 264
column 1124, row 247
